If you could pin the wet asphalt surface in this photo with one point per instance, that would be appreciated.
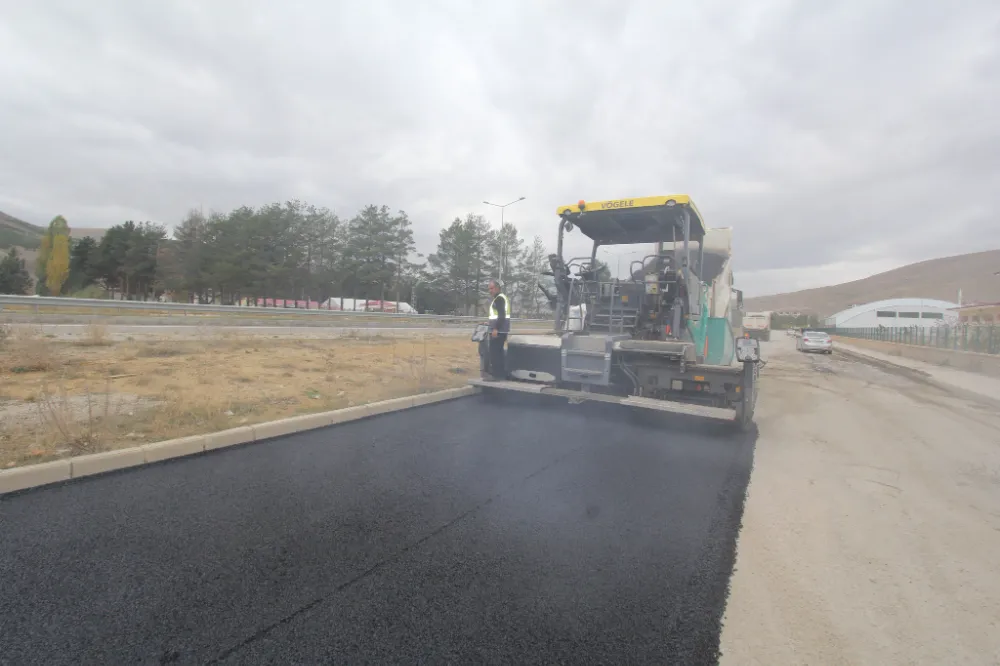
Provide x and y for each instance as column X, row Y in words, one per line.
column 453, row 533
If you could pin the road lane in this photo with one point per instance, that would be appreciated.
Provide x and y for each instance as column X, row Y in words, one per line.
column 525, row 533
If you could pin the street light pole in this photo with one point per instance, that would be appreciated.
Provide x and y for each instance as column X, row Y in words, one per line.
column 500, row 269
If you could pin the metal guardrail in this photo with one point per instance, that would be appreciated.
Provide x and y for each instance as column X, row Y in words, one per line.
column 39, row 302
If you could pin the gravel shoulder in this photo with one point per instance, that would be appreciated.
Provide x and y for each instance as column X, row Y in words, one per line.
column 871, row 525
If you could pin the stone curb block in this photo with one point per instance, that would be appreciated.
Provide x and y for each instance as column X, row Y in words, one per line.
column 231, row 437
column 22, row 478
column 386, row 406
column 290, row 425
column 174, row 448
column 422, row 399
column 108, row 461
column 347, row 414
column 35, row 475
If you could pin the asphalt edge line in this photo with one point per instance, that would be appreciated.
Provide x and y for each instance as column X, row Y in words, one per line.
column 916, row 374
column 75, row 467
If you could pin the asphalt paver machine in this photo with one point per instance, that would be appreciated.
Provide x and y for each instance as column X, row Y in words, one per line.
column 662, row 338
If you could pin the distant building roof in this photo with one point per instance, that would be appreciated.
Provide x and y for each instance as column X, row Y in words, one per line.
column 896, row 302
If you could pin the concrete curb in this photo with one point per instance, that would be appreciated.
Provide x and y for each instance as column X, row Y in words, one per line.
column 919, row 376
column 31, row 476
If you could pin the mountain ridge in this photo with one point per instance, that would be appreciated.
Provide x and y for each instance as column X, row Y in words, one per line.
column 974, row 273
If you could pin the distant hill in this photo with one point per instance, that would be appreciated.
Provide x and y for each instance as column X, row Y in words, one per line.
column 27, row 237
column 18, row 233
column 974, row 274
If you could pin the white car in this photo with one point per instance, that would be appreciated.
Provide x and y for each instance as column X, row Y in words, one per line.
column 814, row 341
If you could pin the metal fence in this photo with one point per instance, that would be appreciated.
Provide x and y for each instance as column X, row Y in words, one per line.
column 37, row 304
column 982, row 338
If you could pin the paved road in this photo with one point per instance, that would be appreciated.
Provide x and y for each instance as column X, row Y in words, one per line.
column 581, row 534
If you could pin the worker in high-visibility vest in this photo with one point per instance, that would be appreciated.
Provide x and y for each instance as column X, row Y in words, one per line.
column 499, row 328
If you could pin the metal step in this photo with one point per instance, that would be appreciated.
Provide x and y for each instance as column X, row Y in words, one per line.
column 508, row 385
column 584, row 352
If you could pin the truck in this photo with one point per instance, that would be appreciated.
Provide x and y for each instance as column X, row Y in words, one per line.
column 757, row 325
column 660, row 339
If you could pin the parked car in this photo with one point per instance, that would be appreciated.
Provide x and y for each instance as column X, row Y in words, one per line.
column 815, row 341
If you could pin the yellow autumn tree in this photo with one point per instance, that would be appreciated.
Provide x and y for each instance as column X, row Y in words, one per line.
column 58, row 226
column 42, row 258
column 57, row 266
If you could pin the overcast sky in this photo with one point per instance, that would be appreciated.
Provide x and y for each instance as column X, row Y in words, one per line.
column 837, row 139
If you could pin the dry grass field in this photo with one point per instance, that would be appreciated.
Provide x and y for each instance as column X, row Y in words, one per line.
column 66, row 398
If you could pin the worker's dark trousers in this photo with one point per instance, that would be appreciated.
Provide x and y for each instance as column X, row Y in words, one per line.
column 497, row 355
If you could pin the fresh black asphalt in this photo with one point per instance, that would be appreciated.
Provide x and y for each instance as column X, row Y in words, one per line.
column 463, row 532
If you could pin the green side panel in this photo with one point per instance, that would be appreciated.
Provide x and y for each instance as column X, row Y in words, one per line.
column 721, row 346
column 699, row 331
column 718, row 331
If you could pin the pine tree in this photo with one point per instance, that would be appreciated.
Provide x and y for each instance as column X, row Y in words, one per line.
column 536, row 262
column 14, row 275
column 459, row 265
column 83, row 257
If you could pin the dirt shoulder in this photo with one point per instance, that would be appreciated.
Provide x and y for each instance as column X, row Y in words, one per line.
column 64, row 398
column 956, row 359
column 872, row 522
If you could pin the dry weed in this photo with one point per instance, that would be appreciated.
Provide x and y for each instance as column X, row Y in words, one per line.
column 159, row 351
column 95, row 335
column 82, row 433
column 27, row 350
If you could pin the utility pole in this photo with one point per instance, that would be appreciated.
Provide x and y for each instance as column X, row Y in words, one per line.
column 502, row 207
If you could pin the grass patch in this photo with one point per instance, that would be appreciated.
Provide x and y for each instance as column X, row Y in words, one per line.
column 159, row 351
column 26, row 350
column 98, row 397
column 95, row 334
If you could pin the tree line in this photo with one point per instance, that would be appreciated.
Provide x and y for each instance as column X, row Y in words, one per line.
column 293, row 251
column 793, row 320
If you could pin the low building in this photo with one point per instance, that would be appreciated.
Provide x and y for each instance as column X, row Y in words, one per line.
column 896, row 312
column 978, row 313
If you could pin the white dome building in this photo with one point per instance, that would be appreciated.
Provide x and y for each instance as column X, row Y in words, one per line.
column 895, row 312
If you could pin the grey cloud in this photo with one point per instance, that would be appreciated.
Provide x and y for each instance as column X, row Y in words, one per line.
column 819, row 132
